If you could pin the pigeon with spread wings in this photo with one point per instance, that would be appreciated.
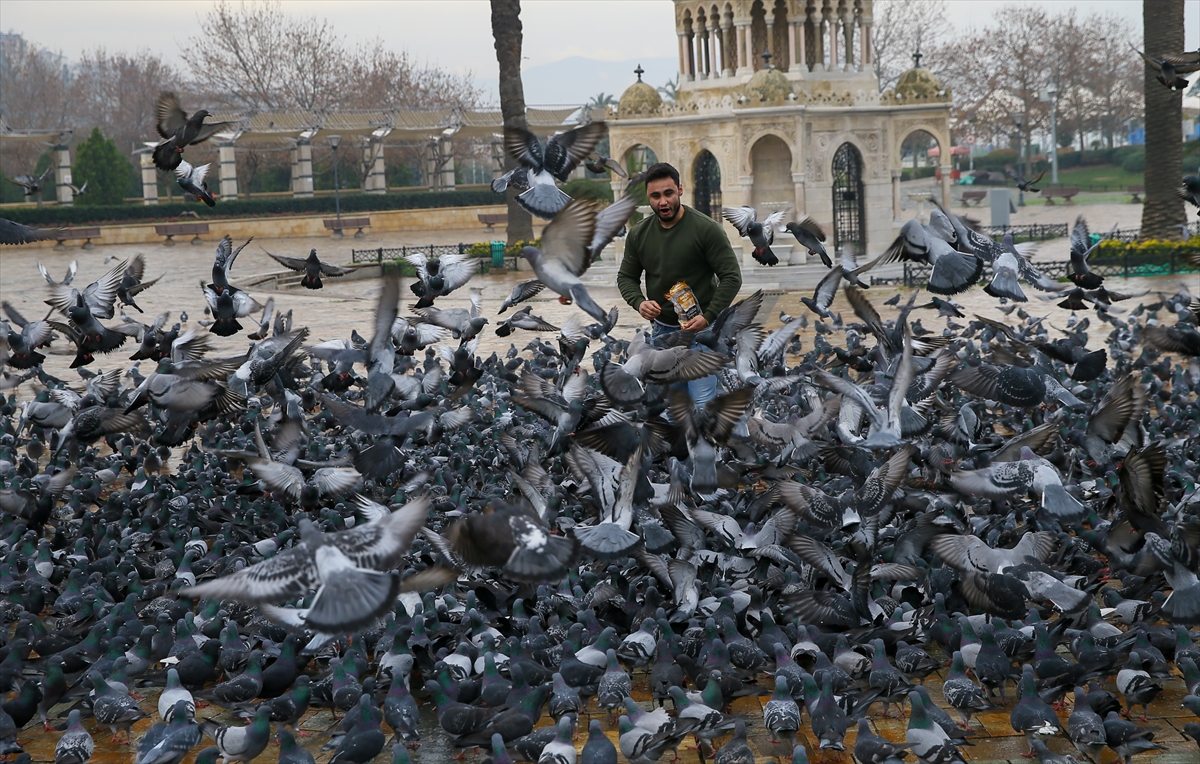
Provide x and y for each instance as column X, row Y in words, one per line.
column 1172, row 68
column 760, row 233
column 179, row 130
column 1022, row 183
column 556, row 159
column 311, row 267
column 227, row 302
column 353, row 571
column 191, row 180
column 811, row 236
column 568, row 244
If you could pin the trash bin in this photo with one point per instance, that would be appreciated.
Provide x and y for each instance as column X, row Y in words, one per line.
column 497, row 254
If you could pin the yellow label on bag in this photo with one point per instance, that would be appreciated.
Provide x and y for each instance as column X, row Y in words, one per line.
column 684, row 300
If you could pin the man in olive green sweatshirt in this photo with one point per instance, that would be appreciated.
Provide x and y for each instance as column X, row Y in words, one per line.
column 676, row 244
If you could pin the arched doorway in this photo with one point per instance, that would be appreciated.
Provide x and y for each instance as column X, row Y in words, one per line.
column 638, row 157
column 706, row 185
column 849, row 208
column 919, row 155
column 771, row 163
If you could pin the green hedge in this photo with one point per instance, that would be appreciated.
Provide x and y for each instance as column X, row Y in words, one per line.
column 317, row 205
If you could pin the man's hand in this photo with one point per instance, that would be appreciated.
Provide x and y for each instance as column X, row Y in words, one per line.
column 696, row 324
column 649, row 309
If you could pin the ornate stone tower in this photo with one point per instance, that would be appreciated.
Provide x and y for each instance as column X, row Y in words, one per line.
column 809, row 41
column 777, row 106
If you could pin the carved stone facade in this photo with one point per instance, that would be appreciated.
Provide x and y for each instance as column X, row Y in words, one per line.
column 822, row 95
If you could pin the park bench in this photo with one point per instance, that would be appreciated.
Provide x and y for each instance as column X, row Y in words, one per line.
column 1065, row 193
column 171, row 230
column 338, row 226
column 86, row 233
column 973, row 196
column 493, row 219
column 1136, row 192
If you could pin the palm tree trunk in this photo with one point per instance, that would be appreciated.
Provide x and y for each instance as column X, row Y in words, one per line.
column 1163, row 212
column 506, row 31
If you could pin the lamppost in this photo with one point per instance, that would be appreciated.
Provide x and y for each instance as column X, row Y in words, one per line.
column 1019, row 120
column 334, row 140
column 1050, row 94
column 972, row 118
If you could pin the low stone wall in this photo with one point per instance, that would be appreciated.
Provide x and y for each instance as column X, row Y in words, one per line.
column 387, row 221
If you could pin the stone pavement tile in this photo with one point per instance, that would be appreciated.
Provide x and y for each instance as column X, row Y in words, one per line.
column 990, row 748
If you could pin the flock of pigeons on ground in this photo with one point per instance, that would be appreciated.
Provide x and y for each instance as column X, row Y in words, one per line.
column 373, row 524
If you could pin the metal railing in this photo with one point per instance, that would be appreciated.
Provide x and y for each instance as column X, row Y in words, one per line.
column 382, row 254
column 379, row 254
column 1032, row 232
column 1127, row 266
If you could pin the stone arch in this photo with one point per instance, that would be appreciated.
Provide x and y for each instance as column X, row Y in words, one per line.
column 705, row 181
column 913, row 153
column 847, row 172
column 938, row 135
column 637, row 156
column 747, row 157
column 771, row 160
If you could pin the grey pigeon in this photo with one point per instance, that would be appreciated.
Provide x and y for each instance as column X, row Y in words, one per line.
column 556, row 159
column 352, row 570
column 567, row 244
column 760, row 233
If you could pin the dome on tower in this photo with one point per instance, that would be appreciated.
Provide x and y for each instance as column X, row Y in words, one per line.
column 768, row 85
column 919, row 83
column 639, row 99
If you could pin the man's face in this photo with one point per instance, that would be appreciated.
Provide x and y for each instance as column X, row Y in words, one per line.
column 664, row 195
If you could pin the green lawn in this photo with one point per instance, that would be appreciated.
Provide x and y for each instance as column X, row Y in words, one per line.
column 1097, row 175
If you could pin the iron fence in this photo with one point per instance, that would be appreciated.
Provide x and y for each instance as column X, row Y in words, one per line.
column 1032, row 232
column 391, row 254
column 1126, row 266
column 379, row 254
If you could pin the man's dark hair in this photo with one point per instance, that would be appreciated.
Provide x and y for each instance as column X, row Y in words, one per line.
column 660, row 170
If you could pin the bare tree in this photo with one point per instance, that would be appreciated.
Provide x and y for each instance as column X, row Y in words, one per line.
column 1114, row 80
column 34, row 95
column 1069, row 73
column 1163, row 213
column 376, row 77
column 902, row 27
column 506, row 31
column 117, row 92
column 261, row 58
column 998, row 72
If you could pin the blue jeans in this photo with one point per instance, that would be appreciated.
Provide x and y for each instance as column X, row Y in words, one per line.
column 702, row 390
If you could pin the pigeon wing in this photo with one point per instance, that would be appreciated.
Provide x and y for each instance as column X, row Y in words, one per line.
column 567, row 237
column 292, row 263
column 821, row 557
column 208, row 130
column 285, row 576
column 567, row 149
column 169, row 115
column 827, row 288
column 334, row 481
column 380, row 545
column 15, row 233
column 524, row 147
column 609, row 221
column 278, row 477
column 740, row 217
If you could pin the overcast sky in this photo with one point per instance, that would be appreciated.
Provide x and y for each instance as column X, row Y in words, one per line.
column 456, row 34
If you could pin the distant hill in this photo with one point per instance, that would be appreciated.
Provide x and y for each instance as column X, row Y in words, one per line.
column 576, row 79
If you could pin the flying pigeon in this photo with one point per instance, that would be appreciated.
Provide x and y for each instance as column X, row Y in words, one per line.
column 761, row 234
column 179, row 131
